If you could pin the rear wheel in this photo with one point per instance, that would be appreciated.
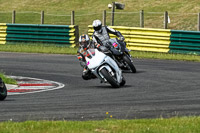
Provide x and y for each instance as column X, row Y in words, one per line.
column 129, row 63
column 109, row 78
column 3, row 92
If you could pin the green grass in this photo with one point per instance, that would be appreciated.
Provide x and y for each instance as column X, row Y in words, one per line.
column 165, row 56
column 37, row 48
column 172, row 125
column 6, row 79
column 182, row 13
column 55, row 49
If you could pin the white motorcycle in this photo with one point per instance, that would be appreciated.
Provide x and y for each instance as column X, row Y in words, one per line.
column 104, row 68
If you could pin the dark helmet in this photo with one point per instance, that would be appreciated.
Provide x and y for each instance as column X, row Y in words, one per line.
column 97, row 25
column 84, row 41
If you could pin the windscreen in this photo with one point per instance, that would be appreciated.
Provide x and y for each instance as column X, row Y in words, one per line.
column 90, row 53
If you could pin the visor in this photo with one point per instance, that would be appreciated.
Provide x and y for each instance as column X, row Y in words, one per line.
column 84, row 44
column 97, row 28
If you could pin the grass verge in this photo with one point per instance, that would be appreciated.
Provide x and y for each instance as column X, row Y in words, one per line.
column 7, row 80
column 37, row 48
column 54, row 49
column 165, row 56
column 171, row 125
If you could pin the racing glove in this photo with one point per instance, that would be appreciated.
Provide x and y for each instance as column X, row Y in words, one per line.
column 121, row 38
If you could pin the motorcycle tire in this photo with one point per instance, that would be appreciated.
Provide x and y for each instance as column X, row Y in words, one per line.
column 109, row 78
column 3, row 93
column 127, row 59
column 123, row 82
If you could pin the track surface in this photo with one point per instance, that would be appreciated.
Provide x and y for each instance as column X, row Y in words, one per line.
column 161, row 88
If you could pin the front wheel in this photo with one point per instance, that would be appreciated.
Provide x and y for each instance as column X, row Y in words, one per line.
column 123, row 82
column 3, row 92
column 129, row 63
column 109, row 78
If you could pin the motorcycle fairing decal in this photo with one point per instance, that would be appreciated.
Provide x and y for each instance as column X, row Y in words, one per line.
column 115, row 45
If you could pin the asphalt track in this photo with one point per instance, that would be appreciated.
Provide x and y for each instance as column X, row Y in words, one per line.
column 160, row 88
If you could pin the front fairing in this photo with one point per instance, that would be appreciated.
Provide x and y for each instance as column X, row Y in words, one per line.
column 117, row 47
column 94, row 58
column 97, row 60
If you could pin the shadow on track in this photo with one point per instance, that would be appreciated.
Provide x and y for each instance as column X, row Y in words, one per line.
column 128, row 72
column 103, row 87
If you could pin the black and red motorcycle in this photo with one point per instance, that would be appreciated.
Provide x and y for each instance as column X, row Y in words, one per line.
column 121, row 54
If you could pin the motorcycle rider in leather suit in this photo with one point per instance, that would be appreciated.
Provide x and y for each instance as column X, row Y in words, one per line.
column 101, row 36
column 84, row 44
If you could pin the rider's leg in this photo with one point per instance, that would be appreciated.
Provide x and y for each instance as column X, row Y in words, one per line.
column 87, row 74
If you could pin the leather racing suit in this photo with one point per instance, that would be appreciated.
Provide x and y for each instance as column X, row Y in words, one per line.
column 81, row 53
column 103, row 36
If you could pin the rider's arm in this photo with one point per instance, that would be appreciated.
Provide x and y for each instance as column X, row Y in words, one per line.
column 94, row 39
column 96, row 42
column 81, row 59
column 115, row 32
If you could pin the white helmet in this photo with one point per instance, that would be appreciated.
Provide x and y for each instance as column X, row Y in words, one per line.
column 84, row 41
column 97, row 25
